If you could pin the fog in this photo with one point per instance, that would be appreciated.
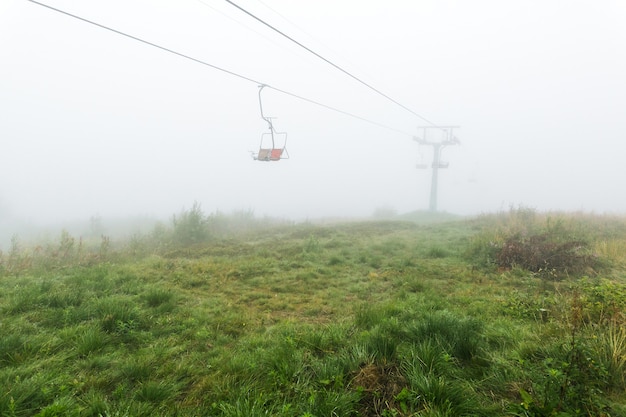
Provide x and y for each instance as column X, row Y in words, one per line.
column 93, row 123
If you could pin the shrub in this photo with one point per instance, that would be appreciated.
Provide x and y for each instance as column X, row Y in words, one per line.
column 190, row 226
column 547, row 244
column 544, row 253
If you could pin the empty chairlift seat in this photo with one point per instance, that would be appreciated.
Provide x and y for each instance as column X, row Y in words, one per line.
column 264, row 154
column 276, row 154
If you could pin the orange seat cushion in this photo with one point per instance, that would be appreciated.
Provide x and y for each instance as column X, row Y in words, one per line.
column 276, row 154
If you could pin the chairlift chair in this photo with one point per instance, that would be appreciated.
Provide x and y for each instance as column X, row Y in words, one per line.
column 421, row 164
column 273, row 145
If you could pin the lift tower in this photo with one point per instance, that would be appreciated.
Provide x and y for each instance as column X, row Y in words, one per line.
column 445, row 137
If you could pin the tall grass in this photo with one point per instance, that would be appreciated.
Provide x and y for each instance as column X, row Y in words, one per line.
column 611, row 249
column 611, row 348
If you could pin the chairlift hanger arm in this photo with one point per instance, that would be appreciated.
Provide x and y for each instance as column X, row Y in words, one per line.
column 267, row 119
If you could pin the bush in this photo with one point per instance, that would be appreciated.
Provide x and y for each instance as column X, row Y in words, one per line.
column 544, row 253
column 190, row 226
column 550, row 245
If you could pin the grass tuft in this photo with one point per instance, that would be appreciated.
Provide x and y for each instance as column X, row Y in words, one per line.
column 157, row 297
column 90, row 340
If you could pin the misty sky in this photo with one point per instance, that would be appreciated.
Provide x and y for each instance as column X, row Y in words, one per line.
column 93, row 123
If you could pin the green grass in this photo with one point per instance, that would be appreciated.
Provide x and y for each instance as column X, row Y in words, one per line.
column 211, row 317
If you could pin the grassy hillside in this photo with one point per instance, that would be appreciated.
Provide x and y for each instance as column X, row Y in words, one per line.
column 519, row 314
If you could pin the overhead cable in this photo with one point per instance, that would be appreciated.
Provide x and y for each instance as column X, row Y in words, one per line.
column 243, row 77
column 232, row 19
column 331, row 63
column 144, row 41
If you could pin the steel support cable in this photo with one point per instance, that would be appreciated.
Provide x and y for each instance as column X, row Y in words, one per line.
column 243, row 77
column 331, row 63
column 144, row 41
column 232, row 19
